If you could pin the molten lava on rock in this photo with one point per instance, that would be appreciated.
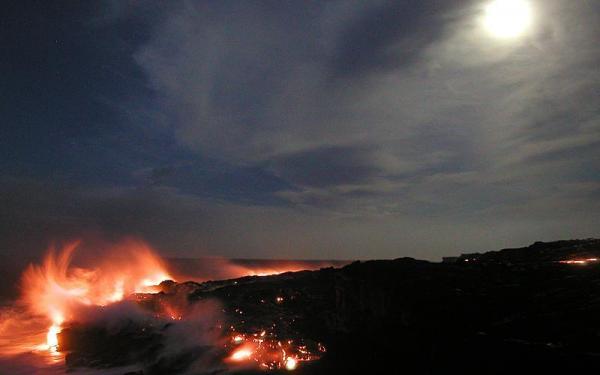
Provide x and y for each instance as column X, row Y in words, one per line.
column 268, row 352
column 582, row 262
column 60, row 291
column 122, row 308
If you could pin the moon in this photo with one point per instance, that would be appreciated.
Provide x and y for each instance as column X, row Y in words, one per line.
column 508, row 19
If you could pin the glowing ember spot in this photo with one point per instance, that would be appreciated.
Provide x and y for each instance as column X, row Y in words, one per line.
column 238, row 339
column 290, row 364
column 242, row 354
column 581, row 262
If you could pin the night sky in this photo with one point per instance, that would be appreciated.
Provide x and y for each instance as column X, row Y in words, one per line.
column 298, row 129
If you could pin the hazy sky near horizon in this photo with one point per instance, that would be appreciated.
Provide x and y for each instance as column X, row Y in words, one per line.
column 298, row 129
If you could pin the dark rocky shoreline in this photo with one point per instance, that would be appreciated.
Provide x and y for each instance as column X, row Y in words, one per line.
column 506, row 312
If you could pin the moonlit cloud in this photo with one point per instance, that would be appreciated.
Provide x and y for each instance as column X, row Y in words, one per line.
column 356, row 129
column 445, row 98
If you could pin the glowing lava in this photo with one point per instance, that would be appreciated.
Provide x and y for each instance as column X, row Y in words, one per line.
column 242, row 354
column 267, row 352
column 59, row 291
column 52, row 337
column 238, row 339
column 290, row 364
column 582, row 262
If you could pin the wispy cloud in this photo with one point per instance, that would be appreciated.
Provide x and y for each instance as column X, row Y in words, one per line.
column 350, row 124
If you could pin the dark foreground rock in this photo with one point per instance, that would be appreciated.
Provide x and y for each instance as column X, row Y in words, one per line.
column 514, row 311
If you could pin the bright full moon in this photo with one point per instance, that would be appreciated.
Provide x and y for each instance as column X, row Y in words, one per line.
column 508, row 18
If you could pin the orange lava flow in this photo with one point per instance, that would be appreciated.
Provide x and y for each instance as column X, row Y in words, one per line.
column 57, row 290
column 265, row 351
column 582, row 262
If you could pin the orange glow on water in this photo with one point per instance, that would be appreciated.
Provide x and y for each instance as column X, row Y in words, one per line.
column 218, row 268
